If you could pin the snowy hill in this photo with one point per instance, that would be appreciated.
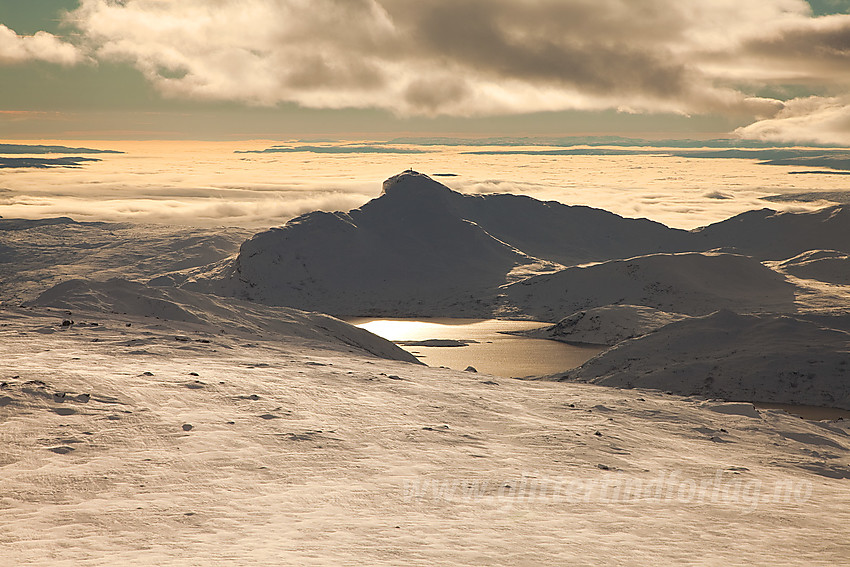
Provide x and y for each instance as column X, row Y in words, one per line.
column 768, row 358
column 210, row 314
column 769, row 235
column 692, row 284
column 607, row 325
column 824, row 265
column 420, row 246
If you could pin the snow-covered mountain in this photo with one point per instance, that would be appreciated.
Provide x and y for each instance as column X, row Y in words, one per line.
column 689, row 283
column 423, row 249
column 769, row 235
column 421, row 245
column 769, row 358
column 154, row 425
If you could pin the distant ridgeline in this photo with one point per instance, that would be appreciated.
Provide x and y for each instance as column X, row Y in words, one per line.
column 44, row 163
column 421, row 249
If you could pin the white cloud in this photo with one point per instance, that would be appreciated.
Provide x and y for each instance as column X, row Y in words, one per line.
column 819, row 120
column 42, row 46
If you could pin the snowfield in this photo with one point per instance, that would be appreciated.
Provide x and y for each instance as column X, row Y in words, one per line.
column 171, row 397
column 170, row 444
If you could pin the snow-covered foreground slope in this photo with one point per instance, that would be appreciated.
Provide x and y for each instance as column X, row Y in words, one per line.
column 211, row 314
column 771, row 358
column 692, row 283
column 121, row 445
column 606, row 325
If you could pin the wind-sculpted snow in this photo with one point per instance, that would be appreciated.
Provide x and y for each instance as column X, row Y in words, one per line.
column 207, row 312
column 768, row 358
column 691, row 283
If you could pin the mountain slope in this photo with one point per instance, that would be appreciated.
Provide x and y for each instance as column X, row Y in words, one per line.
column 769, row 235
column 37, row 254
column 568, row 234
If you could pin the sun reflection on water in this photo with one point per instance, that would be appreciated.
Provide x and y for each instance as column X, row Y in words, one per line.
column 488, row 348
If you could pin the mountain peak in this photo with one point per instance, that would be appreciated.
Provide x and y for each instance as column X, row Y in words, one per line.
column 413, row 182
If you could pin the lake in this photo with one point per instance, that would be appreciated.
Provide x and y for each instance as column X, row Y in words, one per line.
column 815, row 413
column 482, row 344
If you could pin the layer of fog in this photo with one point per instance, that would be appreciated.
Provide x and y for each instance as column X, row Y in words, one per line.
column 207, row 184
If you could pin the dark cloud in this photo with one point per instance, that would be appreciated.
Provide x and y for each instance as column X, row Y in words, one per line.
column 819, row 49
column 580, row 44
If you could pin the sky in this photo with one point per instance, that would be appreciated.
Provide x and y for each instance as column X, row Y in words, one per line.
column 771, row 70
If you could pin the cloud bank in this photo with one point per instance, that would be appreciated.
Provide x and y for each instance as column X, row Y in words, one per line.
column 42, row 46
column 819, row 120
column 482, row 57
